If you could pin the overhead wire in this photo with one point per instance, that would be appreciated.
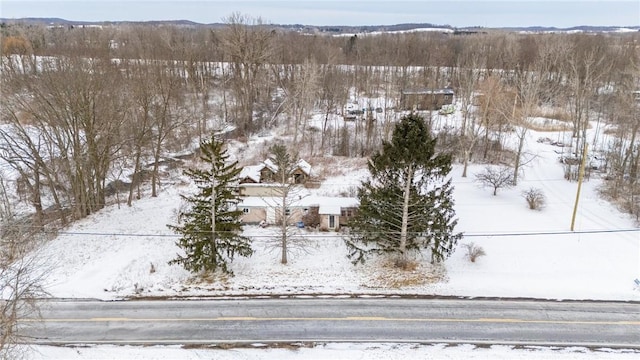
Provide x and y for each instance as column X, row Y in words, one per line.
column 327, row 235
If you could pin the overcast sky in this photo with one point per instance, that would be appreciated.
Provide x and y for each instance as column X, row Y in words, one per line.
column 459, row 13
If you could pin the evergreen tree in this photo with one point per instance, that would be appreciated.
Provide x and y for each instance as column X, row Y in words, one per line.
column 213, row 207
column 406, row 205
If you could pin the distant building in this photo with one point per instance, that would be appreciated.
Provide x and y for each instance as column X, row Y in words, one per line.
column 425, row 99
column 266, row 171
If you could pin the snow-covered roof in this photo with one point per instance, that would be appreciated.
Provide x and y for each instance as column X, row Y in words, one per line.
column 271, row 165
column 329, row 209
column 429, row 91
column 274, row 185
column 304, row 166
column 251, row 172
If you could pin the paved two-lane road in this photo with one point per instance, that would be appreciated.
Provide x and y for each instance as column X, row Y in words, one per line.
column 330, row 320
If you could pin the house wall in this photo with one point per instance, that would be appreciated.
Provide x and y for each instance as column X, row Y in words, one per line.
column 270, row 215
column 266, row 191
column 254, row 216
column 294, row 216
column 299, row 177
column 273, row 215
column 266, row 175
column 346, row 214
column 324, row 222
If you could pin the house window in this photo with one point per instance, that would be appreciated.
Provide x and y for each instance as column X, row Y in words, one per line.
column 298, row 178
column 245, row 210
column 287, row 212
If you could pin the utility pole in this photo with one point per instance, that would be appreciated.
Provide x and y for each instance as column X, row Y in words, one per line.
column 213, row 207
column 580, row 176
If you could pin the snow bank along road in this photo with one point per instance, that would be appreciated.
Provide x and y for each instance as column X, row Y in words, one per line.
column 595, row 324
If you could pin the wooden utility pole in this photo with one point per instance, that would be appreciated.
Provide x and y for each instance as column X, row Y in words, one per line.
column 580, row 176
column 213, row 207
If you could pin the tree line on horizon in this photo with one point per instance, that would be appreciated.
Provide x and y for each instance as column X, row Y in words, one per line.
column 151, row 90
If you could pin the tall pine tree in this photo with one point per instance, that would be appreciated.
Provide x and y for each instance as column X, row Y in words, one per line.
column 407, row 204
column 212, row 207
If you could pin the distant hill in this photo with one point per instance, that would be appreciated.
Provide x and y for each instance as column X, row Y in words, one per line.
column 64, row 22
column 584, row 28
column 332, row 29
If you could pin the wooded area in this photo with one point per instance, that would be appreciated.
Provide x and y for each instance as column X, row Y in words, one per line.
column 84, row 106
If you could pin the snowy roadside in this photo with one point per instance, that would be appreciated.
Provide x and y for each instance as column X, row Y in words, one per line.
column 332, row 351
column 123, row 252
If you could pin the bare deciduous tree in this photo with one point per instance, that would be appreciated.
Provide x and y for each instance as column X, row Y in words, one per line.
column 496, row 177
column 21, row 286
column 248, row 47
column 287, row 194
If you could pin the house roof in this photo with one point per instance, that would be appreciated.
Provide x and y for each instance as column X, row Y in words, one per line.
column 304, row 166
column 251, row 172
column 446, row 91
column 270, row 165
column 330, row 209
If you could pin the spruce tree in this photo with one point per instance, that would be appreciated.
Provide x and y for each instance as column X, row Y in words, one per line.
column 407, row 204
column 213, row 207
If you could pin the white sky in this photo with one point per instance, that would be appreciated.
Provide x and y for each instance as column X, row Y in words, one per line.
column 496, row 13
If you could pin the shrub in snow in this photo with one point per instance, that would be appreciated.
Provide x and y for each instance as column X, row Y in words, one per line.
column 311, row 218
column 535, row 198
column 473, row 251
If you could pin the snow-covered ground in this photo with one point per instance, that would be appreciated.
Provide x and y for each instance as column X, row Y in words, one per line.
column 124, row 251
column 333, row 351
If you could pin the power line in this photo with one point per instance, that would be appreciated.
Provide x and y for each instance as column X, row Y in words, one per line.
column 493, row 234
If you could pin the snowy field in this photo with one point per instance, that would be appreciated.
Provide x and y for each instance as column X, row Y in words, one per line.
column 121, row 251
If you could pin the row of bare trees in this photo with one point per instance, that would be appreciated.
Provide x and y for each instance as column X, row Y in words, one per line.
column 133, row 89
column 69, row 122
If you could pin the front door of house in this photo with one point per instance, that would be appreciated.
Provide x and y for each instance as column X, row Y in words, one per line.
column 332, row 222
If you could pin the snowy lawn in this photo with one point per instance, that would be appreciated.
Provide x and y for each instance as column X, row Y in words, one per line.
column 122, row 252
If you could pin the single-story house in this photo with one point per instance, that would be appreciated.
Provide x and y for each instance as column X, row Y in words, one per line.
column 334, row 212
column 426, row 99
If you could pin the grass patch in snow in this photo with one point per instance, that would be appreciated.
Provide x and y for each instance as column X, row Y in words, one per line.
column 384, row 273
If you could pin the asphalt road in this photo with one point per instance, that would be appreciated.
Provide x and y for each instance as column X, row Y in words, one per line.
column 599, row 324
